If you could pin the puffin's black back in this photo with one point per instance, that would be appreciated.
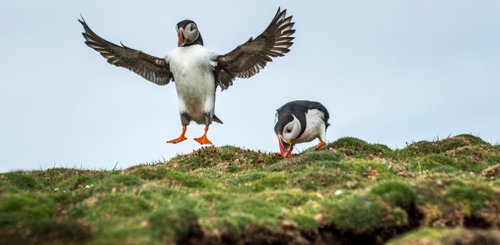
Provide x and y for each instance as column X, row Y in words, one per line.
column 299, row 109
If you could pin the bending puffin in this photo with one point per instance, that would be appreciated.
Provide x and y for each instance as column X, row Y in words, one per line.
column 300, row 121
column 195, row 70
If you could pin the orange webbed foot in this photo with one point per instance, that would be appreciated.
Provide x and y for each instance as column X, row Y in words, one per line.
column 320, row 144
column 180, row 138
column 203, row 140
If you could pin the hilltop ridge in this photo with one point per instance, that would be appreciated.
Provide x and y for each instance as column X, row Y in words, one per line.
column 349, row 192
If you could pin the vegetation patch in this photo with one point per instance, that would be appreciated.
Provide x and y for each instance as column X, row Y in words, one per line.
column 433, row 236
column 353, row 147
column 349, row 192
column 396, row 193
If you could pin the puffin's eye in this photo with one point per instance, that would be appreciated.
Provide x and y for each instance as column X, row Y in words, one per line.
column 193, row 26
column 288, row 130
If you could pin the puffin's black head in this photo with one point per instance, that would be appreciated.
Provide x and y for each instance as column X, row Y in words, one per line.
column 287, row 128
column 188, row 33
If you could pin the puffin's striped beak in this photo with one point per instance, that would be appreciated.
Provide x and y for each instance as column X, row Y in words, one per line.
column 284, row 145
column 282, row 149
column 180, row 37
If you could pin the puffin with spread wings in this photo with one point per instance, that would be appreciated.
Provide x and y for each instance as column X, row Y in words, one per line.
column 197, row 71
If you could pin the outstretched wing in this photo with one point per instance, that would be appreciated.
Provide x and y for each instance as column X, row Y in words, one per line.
column 247, row 59
column 152, row 68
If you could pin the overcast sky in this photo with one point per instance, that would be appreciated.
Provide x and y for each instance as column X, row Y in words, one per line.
column 389, row 72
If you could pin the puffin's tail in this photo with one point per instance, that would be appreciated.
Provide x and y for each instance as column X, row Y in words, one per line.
column 216, row 119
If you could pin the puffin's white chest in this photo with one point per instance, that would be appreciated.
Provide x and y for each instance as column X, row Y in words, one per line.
column 315, row 126
column 194, row 80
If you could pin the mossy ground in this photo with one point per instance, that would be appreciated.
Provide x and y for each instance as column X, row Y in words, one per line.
column 348, row 192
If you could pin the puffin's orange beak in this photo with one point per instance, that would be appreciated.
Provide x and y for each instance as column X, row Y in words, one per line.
column 286, row 148
column 282, row 149
column 180, row 36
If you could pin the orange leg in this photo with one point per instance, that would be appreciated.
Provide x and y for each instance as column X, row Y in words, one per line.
column 320, row 144
column 203, row 139
column 181, row 138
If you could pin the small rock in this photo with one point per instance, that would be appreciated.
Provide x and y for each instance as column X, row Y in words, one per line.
column 319, row 195
column 144, row 224
column 289, row 224
column 319, row 217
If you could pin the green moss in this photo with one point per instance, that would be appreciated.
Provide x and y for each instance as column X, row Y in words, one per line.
column 473, row 166
column 431, row 161
column 232, row 168
column 287, row 199
column 434, row 236
column 123, row 180
column 25, row 207
column 186, row 179
column 119, row 205
column 354, row 147
column 471, row 139
column 123, row 230
column 493, row 159
column 471, row 198
column 82, row 181
column 357, row 189
column 248, row 177
column 359, row 214
column 56, row 179
column 444, row 169
column 21, row 180
column 271, row 181
column 396, row 193
column 312, row 179
column 423, row 148
column 308, row 160
column 117, row 182
column 236, row 211
column 147, row 172
column 371, row 169
column 226, row 155
column 323, row 156
column 306, row 221
column 169, row 177
column 172, row 221
column 421, row 236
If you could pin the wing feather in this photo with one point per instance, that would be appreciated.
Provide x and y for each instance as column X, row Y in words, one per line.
column 249, row 58
column 152, row 68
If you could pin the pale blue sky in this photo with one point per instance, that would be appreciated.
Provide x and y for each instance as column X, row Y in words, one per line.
column 389, row 72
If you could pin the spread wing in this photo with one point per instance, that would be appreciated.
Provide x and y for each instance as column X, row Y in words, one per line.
column 247, row 59
column 152, row 68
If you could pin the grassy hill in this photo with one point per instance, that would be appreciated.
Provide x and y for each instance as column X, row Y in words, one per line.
column 439, row 192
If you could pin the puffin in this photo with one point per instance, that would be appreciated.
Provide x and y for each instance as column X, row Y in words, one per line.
column 300, row 121
column 197, row 71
